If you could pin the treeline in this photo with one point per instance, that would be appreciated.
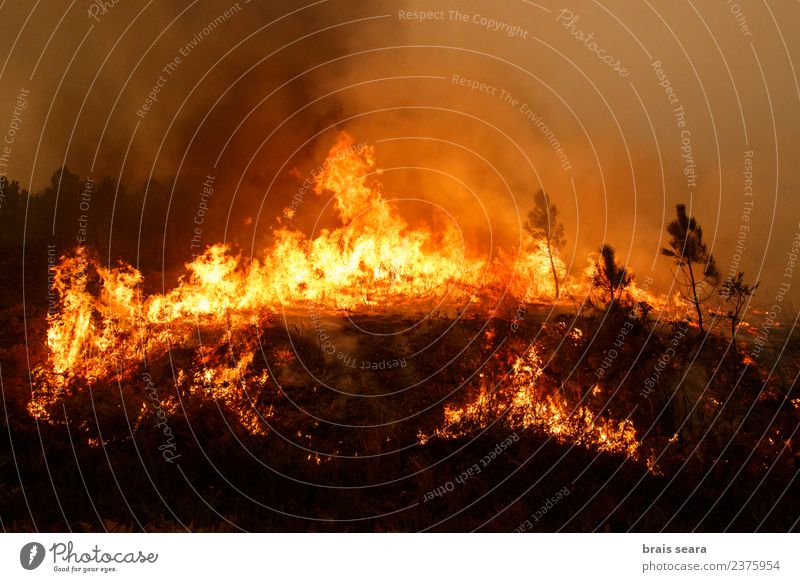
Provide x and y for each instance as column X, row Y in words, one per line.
column 151, row 227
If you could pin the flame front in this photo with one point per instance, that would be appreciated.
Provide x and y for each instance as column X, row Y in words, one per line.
column 374, row 260
column 106, row 330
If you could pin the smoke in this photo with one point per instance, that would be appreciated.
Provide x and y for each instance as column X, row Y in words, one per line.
column 472, row 109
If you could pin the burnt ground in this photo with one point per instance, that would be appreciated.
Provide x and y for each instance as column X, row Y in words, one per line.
column 341, row 450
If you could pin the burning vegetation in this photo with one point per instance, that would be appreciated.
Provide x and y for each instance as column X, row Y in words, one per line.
column 376, row 337
column 105, row 330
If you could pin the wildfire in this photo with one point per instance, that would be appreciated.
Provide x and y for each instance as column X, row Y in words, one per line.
column 636, row 293
column 105, row 329
column 374, row 260
column 375, row 257
column 529, row 403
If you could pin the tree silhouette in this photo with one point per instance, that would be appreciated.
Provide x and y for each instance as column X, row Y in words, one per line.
column 542, row 224
column 736, row 292
column 694, row 261
column 610, row 277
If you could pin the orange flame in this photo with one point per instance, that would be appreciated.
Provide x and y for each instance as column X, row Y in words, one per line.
column 529, row 403
column 105, row 327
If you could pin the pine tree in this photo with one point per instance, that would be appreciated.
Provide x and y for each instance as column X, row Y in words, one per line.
column 694, row 261
column 610, row 277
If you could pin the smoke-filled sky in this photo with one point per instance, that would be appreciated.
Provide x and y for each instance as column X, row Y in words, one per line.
column 618, row 110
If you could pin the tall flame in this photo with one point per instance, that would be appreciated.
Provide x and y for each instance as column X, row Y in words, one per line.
column 375, row 256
